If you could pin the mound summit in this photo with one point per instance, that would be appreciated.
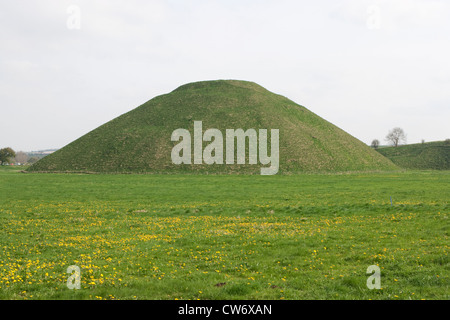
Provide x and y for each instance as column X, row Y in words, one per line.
column 139, row 141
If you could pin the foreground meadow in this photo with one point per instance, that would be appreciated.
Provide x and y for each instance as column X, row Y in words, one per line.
column 224, row 237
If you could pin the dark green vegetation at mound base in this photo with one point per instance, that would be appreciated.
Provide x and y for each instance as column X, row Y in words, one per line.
column 140, row 141
column 430, row 155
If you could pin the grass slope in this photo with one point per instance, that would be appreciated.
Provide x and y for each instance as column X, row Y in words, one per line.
column 139, row 141
column 430, row 155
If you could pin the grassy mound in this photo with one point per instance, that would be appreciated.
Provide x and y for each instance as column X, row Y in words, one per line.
column 140, row 141
column 430, row 155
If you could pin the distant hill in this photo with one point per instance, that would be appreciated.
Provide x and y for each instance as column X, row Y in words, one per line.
column 429, row 155
column 139, row 141
column 40, row 153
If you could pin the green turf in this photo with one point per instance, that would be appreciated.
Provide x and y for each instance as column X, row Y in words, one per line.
column 430, row 155
column 224, row 236
column 140, row 140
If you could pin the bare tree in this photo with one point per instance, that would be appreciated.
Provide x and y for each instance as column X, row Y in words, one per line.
column 375, row 144
column 21, row 157
column 396, row 136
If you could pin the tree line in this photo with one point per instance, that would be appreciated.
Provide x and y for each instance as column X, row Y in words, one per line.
column 8, row 156
column 395, row 137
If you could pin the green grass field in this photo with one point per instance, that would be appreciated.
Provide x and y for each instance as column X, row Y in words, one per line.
column 224, row 237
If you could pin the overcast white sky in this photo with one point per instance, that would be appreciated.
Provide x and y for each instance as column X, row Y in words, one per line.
column 67, row 67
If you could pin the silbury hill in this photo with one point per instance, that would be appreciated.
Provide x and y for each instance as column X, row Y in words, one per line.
column 140, row 141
